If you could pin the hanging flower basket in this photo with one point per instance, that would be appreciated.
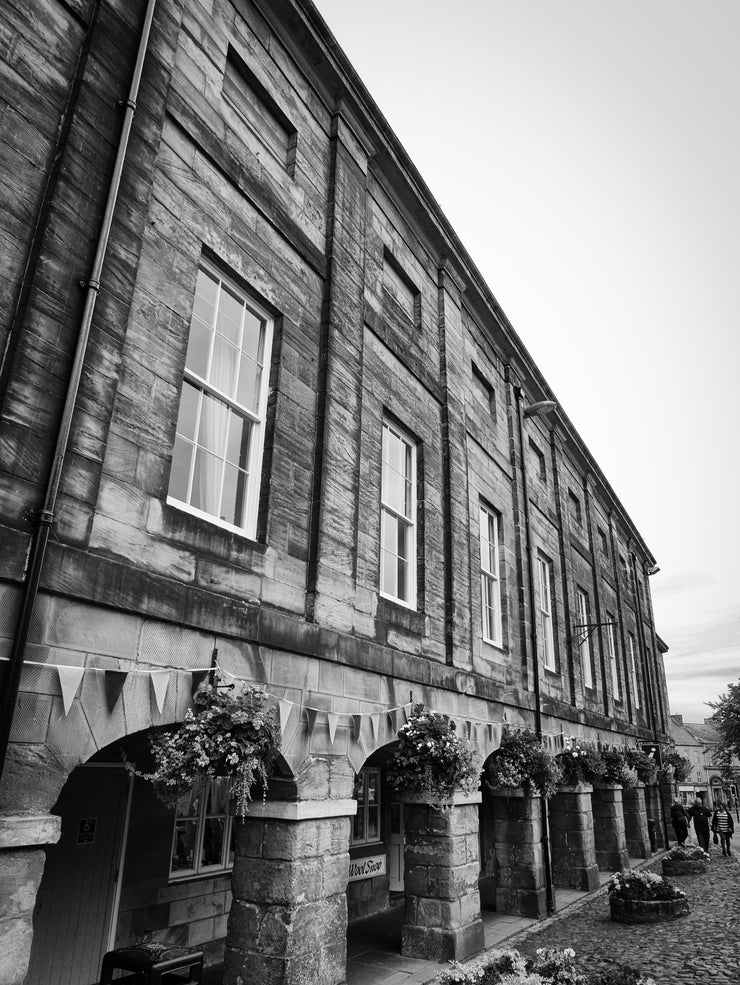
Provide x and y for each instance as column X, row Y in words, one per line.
column 432, row 762
column 231, row 733
column 522, row 761
column 644, row 765
column 580, row 765
column 617, row 769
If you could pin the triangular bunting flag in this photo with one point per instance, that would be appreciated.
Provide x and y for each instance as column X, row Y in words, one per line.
column 285, row 710
column 356, row 727
column 198, row 677
column 69, row 679
column 375, row 726
column 311, row 715
column 113, row 682
column 333, row 722
column 489, row 729
column 406, row 713
column 393, row 720
column 160, row 681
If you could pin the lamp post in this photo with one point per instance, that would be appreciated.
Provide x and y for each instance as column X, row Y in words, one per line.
column 537, row 409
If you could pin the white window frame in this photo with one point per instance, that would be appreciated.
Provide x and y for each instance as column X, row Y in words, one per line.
column 256, row 418
column 633, row 669
column 364, row 805
column 490, row 577
column 199, row 869
column 544, row 572
column 611, row 646
column 584, row 647
column 386, row 509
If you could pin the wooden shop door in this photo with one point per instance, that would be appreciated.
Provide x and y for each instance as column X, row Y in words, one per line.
column 395, row 847
column 77, row 897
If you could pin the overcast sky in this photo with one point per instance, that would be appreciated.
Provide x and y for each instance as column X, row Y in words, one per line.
column 588, row 154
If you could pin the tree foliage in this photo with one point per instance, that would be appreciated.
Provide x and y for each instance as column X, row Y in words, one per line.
column 726, row 719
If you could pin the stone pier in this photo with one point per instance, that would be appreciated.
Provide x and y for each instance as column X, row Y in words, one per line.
column 635, row 822
column 609, row 836
column 288, row 919
column 519, row 884
column 652, row 806
column 572, row 843
column 441, row 869
column 22, row 858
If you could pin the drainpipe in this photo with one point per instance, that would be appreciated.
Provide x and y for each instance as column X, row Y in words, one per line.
column 44, row 519
column 549, row 888
column 651, row 679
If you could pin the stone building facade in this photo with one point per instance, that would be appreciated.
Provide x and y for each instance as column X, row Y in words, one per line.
column 259, row 409
column 697, row 741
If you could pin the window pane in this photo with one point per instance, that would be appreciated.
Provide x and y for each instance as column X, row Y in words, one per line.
column 183, row 848
column 206, row 292
column 373, row 823
column 253, row 336
column 234, row 491
column 188, row 413
column 218, row 796
column 232, row 845
column 206, row 492
column 358, row 828
column 224, row 365
column 237, row 445
column 214, row 420
column 213, row 841
column 250, row 378
column 180, row 472
column 229, row 321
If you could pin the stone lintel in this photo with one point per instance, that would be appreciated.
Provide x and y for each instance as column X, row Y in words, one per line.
column 302, row 810
column 458, row 799
column 25, row 830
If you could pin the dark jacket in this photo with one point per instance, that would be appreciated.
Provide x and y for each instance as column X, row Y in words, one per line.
column 679, row 816
column 700, row 816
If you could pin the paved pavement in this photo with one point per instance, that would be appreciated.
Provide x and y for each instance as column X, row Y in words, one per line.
column 701, row 947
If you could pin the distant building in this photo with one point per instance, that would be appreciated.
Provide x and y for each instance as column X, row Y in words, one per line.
column 697, row 742
column 304, row 443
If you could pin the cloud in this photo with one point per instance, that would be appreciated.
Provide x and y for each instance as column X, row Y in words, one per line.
column 687, row 581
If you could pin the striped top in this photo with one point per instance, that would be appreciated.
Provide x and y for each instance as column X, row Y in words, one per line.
column 722, row 821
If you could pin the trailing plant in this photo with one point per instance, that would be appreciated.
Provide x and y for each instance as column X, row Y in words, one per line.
column 233, row 734
column 633, row 884
column 617, row 769
column 643, row 764
column 522, row 761
column 676, row 767
column 432, row 760
column 580, row 765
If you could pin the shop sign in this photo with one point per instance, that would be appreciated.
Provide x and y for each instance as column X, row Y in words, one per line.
column 86, row 831
column 366, row 868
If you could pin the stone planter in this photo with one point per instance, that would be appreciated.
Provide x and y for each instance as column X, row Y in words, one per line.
column 647, row 911
column 683, row 867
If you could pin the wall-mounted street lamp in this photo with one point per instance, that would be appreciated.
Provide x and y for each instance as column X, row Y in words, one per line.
column 653, row 570
column 538, row 409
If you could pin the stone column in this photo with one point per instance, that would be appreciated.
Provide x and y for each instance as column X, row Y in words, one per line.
column 572, row 839
column 22, row 859
column 288, row 919
column 611, row 844
column 635, row 822
column 519, row 882
column 441, row 867
column 652, row 806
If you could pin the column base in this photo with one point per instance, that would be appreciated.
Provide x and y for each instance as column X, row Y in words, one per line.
column 438, row 944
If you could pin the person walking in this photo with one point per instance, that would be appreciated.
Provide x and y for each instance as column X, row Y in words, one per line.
column 724, row 826
column 680, row 822
column 700, row 815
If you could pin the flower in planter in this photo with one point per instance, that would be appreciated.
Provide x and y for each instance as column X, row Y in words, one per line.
column 432, row 760
column 233, row 734
column 522, row 761
column 580, row 765
column 557, row 965
column 687, row 853
column 617, row 768
column 634, row 884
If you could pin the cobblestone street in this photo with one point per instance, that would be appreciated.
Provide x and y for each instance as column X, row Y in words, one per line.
column 703, row 946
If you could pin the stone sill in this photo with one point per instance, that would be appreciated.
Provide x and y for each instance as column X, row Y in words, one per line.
column 300, row 810
column 458, row 799
column 25, row 830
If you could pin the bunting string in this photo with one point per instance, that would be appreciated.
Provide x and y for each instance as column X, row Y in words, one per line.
column 479, row 731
